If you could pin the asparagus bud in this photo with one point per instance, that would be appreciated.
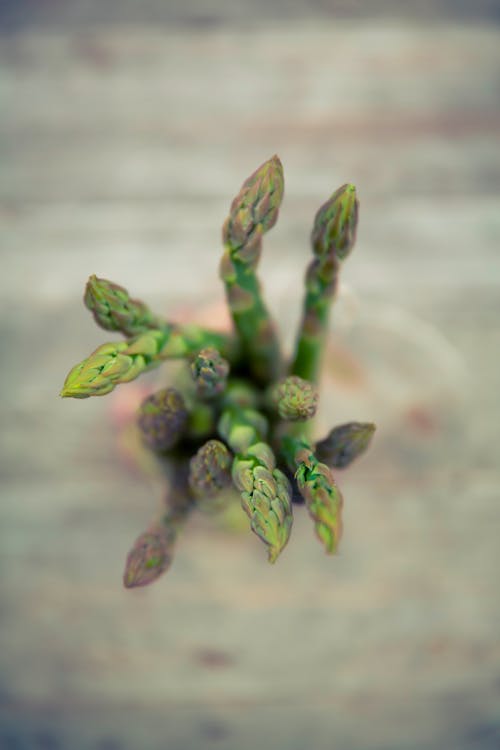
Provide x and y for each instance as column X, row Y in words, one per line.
column 296, row 399
column 122, row 361
column 150, row 556
column 265, row 490
column 265, row 497
column 162, row 419
column 332, row 238
column 153, row 551
column 317, row 486
column 253, row 212
column 209, row 371
column 109, row 365
column 210, row 470
column 344, row 443
column 335, row 224
column 114, row 310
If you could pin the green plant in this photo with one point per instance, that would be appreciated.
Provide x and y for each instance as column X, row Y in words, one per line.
column 242, row 413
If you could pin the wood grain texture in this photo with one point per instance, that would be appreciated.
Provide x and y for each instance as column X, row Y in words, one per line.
column 122, row 147
column 75, row 14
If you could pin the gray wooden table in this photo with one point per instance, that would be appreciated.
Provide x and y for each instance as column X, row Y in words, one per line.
column 122, row 145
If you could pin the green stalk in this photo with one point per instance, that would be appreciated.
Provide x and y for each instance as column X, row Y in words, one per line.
column 123, row 361
column 253, row 212
column 332, row 238
column 317, row 486
column 265, row 490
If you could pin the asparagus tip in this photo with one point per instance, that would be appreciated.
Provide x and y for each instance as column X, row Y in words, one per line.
column 150, row 556
column 296, row 399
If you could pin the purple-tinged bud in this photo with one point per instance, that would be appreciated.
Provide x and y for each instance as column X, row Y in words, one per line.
column 344, row 443
column 149, row 558
column 210, row 469
column 162, row 419
column 209, row 371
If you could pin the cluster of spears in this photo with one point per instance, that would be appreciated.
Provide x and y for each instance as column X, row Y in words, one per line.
column 241, row 414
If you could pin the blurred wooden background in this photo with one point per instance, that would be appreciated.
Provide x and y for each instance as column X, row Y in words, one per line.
column 125, row 130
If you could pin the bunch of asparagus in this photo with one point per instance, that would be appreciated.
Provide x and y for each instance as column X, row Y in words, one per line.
column 242, row 414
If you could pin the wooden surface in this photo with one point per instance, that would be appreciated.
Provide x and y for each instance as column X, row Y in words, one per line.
column 122, row 146
column 78, row 14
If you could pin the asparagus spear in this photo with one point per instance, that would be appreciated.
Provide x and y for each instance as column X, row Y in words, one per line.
column 317, row 486
column 162, row 419
column 345, row 443
column 265, row 496
column 210, row 470
column 230, row 407
column 150, row 556
column 265, row 490
column 153, row 551
column 114, row 310
column 123, row 361
column 209, row 371
column 253, row 211
column 332, row 238
column 295, row 399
